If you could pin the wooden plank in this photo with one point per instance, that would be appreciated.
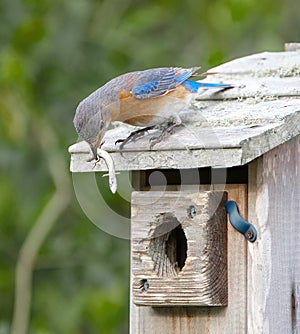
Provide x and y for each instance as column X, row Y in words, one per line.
column 274, row 259
column 209, row 125
column 264, row 64
column 258, row 145
column 179, row 248
column 292, row 46
column 204, row 320
column 213, row 146
column 219, row 129
column 140, row 160
column 257, row 88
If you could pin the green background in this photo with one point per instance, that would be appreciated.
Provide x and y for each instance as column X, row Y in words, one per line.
column 53, row 54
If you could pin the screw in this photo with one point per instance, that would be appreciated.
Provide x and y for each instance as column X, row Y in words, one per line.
column 144, row 285
column 250, row 234
column 191, row 211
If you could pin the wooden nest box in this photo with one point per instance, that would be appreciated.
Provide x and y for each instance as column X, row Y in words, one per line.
column 191, row 272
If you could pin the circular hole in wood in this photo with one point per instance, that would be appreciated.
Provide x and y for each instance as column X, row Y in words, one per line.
column 168, row 245
column 176, row 248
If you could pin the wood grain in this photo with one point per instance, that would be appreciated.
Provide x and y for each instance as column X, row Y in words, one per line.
column 274, row 260
column 222, row 129
column 198, row 320
column 179, row 247
column 256, row 123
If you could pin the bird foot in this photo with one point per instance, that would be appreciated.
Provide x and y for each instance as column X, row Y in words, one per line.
column 166, row 131
column 133, row 136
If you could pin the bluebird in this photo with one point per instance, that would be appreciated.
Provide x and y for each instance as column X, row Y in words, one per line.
column 149, row 99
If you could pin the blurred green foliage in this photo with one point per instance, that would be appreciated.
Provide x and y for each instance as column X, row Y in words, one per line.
column 54, row 53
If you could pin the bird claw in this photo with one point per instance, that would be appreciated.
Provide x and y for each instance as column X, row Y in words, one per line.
column 119, row 141
column 123, row 142
column 164, row 134
column 98, row 158
column 156, row 139
column 133, row 136
column 167, row 129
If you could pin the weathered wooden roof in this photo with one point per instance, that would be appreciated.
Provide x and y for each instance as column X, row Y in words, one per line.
column 226, row 129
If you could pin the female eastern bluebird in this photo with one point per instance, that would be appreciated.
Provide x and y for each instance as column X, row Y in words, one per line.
column 146, row 98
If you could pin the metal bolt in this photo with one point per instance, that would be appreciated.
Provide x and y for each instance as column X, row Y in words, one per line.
column 144, row 285
column 250, row 234
column 191, row 211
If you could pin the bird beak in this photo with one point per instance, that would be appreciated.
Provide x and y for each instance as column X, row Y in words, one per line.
column 94, row 151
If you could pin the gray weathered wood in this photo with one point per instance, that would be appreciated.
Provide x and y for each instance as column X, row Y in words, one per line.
column 255, row 123
column 203, row 320
column 274, row 260
column 179, row 248
column 292, row 46
column 220, row 130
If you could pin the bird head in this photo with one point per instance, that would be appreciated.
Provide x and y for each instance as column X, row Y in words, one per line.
column 91, row 122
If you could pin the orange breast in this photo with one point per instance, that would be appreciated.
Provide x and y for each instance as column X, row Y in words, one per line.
column 142, row 112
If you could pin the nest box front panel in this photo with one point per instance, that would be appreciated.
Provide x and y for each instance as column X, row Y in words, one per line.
column 179, row 248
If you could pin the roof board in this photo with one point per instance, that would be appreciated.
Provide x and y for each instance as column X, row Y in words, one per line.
column 222, row 129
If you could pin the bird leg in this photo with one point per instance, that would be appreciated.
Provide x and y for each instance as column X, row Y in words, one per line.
column 134, row 135
column 167, row 129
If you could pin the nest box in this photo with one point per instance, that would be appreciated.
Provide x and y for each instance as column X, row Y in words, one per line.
column 242, row 145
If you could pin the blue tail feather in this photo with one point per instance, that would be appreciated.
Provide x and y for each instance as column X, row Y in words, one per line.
column 194, row 86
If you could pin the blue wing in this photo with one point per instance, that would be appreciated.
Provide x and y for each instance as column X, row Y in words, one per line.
column 168, row 79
